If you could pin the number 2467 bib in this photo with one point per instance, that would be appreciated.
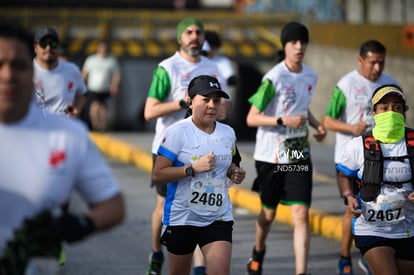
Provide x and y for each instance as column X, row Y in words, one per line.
column 386, row 210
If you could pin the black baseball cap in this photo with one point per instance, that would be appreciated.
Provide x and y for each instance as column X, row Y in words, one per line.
column 46, row 32
column 205, row 85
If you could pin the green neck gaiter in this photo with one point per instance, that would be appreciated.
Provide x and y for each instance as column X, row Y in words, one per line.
column 389, row 127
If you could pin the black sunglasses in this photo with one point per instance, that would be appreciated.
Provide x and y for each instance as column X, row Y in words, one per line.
column 53, row 44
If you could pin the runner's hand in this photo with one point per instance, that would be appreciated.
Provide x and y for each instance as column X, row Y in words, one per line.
column 321, row 134
column 411, row 196
column 353, row 207
column 205, row 163
column 295, row 121
column 237, row 175
column 359, row 128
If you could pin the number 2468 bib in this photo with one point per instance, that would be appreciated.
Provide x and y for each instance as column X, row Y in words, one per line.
column 207, row 193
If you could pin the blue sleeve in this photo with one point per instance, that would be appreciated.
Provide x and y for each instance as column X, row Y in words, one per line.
column 345, row 170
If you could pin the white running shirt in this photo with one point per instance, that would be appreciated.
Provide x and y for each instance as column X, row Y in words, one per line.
column 43, row 159
column 224, row 65
column 180, row 73
column 391, row 215
column 55, row 89
column 188, row 201
column 290, row 94
column 357, row 92
column 100, row 72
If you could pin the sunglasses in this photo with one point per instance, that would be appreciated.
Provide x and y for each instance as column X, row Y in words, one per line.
column 53, row 44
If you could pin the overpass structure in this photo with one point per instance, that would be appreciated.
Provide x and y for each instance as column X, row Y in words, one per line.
column 152, row 34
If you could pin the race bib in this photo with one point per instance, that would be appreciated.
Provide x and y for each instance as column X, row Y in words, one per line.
column 207, row 193
column 386, row 210
column 297, row 132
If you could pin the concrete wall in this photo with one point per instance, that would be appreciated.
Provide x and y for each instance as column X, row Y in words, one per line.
column 398, row 39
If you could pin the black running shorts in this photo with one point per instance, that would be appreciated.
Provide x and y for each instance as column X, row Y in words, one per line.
column 285, row 183
column 183, row 239
column 403, row 247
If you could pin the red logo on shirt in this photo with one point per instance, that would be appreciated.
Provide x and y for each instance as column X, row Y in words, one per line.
column 163, row 140
column 185, row 76
column 70, row 85
column 56, row 158
column 309, row 88
column 39, row 84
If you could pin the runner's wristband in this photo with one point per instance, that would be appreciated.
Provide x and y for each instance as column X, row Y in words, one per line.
column 345, row 197
column 73, row 228
column 183, row 104
column 279, row 121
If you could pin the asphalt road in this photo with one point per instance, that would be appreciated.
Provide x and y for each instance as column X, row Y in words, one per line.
column 124, row 250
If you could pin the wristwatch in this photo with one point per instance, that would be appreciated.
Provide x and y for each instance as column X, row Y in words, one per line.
column 183, row 104
column 279, row 121
column 189, row 171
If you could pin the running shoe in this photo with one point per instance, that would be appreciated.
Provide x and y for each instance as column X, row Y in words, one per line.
column 254, row 267
column 345, row 266
column 62, row 256
column 155, row 264
column 364, row 266
column 200, row 270
column 254, row 264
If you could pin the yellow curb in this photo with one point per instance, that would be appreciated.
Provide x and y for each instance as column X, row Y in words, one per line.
column 329, row 226
column 123, row 151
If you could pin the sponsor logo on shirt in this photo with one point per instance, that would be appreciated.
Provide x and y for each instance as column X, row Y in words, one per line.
column 56, row 157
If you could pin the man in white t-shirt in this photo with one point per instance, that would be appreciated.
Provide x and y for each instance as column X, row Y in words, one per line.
column 280, row 110
column 349, row 114
column 102, row 73
column 59, row 87
column 43, row 160
column 167, row 101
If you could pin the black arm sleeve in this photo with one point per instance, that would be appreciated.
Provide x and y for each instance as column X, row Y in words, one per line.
column 236, row 158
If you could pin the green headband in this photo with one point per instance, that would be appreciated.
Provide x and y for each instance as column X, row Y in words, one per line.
column 187, row 22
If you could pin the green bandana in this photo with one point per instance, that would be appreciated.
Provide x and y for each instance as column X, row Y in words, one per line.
column 389, row 127
column 188, row 22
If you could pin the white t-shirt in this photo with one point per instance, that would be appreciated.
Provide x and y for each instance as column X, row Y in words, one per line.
column 290, row 94
column 224, row 65
column 357, row 91
column 181, row 72
column 55, row 89
column 42, row 160
column 391, row 215
column 192, row 201
column 100, row 72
